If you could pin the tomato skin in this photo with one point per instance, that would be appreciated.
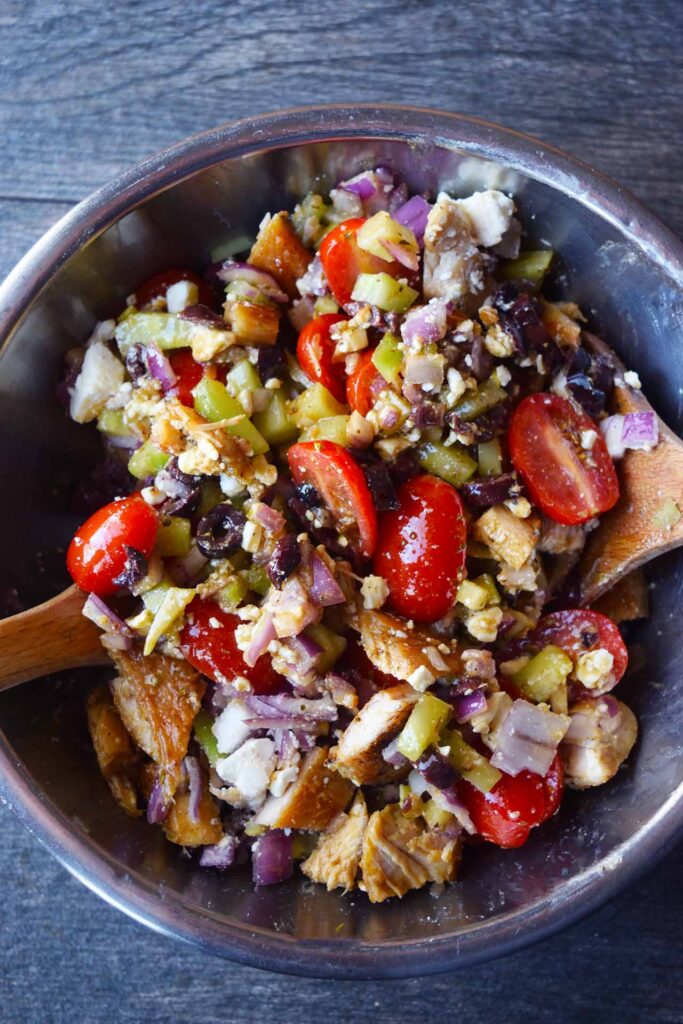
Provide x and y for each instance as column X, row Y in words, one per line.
column 579, row 630
column 97, row 555
column 421, row 549
column 189, row 373
column 157, row 286
column 314, row 351
column 214, row 651
column 341, row 483
column 515, row 805
column 364, row 385
column 343, row 260
column 568, row 483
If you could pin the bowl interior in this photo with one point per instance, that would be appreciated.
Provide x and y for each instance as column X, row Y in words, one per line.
column 631, row 300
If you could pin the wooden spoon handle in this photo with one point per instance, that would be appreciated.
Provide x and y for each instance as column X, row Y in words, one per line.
column 52, row 637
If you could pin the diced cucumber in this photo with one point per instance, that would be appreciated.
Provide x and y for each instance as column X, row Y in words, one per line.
column 325, row 304
column 472, row 595
column 476, row 403
column 111, row 421
column 152, row 598
column 173, row 537
column 452, row 463
column 226, row 250
column 244, row 291
column 313, row 404
column 487, row 581
column 233, row 593
column 490, row 458
column 275, row 423
column 167, row 330
column 471, row 765
column 210, row 495
column 243, row 377
column 384, row 291
column 388, row 358
column 435, row 816
column 422, row 729
column 381, row 228
column 332, row 428
column 147, row 461
column 258, row 579
column 528, row 266
column 203, row 733
column 212, row 401
column 174, row 603
column 333, row 645
column 544, row 674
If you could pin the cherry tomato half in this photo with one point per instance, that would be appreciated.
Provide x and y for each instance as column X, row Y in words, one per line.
column 364, row 385
column 314, row 351
column 421, row 549
column 213, row 650
column 579, row 630
column 341, row 484
column 97, row 554
column 157, row 286
column 506, row 814
column 189, row 373
column 568, row 482
column 343, row 260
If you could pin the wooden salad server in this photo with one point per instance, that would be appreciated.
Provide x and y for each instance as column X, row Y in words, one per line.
column 646, row 522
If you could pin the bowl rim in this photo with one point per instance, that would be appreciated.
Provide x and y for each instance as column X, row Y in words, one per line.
column 138, row 897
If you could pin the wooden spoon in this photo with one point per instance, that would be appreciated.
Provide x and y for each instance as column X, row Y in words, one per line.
column 57, row 636
column 49, row 638
column 628, row 535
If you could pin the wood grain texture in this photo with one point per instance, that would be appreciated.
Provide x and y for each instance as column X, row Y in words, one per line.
column 88, row 88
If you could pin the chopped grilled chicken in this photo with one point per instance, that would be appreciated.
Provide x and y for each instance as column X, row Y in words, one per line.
column 312, row 801
column 202, row 829
column 252, row 324
column 405, row 653
column 158, row 698
column 358, row 755
column 116, row 755
column 280, row 252
column 336, row 858
column 511, row 540
column 400, row 854
column 600, row 737
column 629, row 599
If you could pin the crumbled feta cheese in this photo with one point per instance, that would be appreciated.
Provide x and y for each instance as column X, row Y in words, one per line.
column 374, row 591
column 100, row 378
column 519, row 507
column 632, row 379
column 229, row 728
column 230, row 485
column 181, row 295
column 152, row 495
column 498, row 342
column 283, row 779
column 588, row 439
column 456, row 385
column 252, row 536
column 249, row 769
column 593, row 668
column 421, row 679
column 489, row 214
column 483, row 625
column 504, row 376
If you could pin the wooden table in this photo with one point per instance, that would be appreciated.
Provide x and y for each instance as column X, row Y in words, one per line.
column 87, row 88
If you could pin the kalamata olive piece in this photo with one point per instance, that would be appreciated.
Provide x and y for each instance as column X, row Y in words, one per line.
column 379, row 481
column 491, row 490
column 136, row 363
column 436, row 770
column 219, row 533
column 134, row 570
column 285, row 559
column 271, row 363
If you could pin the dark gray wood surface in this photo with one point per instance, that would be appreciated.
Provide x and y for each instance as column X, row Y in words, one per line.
column 88, row 88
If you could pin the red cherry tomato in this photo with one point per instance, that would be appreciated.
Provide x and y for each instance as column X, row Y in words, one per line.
column 189, row 373
column 568, row 482
column 343, row 260
column 97, row 554
column 506, row 814
column 421, row 549
column 213, row 649
column 364, row 385
column 365, row 676
column 340, row 482
column 578, row 630
column 315, row 349
column 157, row 286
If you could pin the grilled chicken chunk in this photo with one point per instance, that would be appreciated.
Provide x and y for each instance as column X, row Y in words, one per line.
column 312, row 801
column 408, row 654
column 116, row 755
column 336, row 858
column 358, row 755
column 280, row 252
column 600, row 737
column 201, row 829
column 158, row 699
column 400, row 854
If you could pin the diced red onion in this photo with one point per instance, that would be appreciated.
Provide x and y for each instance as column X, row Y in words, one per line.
column 446, row 799
column 194, row 777
column 397, row 198
column 232, row 270
column 402, row 255
column 284, row 707
column 361, row 185
column 427, row 414
column 413, row 215
column 269, row 518
column 313, row 282
column 393, row 756
column 306, row 650
column 466, row 707
column 101, row 614
column 346, row 204
column 612, row 705
column 424, row 370
column 221, row 856
column 340, row 689
column 528, row 739
column 157, row 808
column 325, row 590
column 285, row 744
column 186, row 571
column 637, row 431
column 127, row 443
column 388, row 417
column 271, row 858
column 427, row 324
column 264, row 634
column 160, row 368
column 384, row 175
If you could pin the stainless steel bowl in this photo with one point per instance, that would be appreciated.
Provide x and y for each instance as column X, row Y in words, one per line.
column 616, row 260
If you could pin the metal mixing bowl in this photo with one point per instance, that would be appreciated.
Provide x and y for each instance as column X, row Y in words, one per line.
column 616, row 260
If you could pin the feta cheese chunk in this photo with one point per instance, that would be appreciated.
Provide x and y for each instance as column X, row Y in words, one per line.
column 229, row 728
column 249, row 769
column 100, row 378
column 374, row 591
column 490, row 214
column 594, row 668
column 181, row 295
